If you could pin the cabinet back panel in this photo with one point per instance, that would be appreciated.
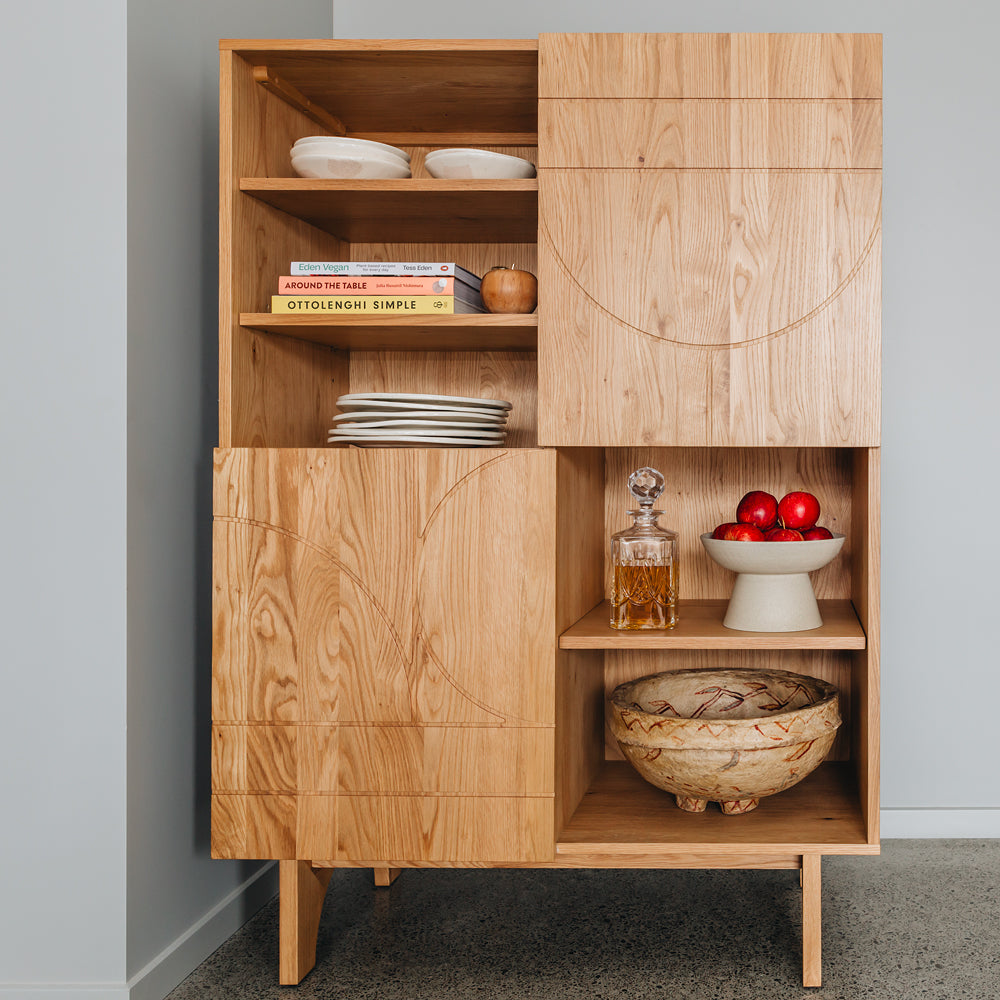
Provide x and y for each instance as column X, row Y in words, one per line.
column 703, row 487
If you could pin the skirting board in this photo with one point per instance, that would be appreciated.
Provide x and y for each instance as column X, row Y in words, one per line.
column 177, row 960
column 940, row 824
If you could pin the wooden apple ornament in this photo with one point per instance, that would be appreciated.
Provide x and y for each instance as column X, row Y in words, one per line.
column 508, row 290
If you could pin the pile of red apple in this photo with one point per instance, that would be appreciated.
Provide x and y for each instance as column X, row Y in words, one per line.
column 761, row 518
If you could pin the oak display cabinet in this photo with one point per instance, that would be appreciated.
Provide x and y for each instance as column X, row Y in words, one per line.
column 411, row 650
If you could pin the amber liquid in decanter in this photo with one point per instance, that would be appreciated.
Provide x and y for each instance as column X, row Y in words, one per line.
column 644, row 562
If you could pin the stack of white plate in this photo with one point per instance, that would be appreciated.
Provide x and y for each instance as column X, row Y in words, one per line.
column 325, row 156
column 416, row 420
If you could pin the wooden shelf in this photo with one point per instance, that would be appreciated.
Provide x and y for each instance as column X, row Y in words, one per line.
column 408, row 210
column 623, row 821
column 700, row 627
column 465, row 332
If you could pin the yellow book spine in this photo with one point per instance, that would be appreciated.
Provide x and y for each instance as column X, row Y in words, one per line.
column 395, row 305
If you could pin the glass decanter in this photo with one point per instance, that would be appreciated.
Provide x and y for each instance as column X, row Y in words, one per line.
column 644, row 562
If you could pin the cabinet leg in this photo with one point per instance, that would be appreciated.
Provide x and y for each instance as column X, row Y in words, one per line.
column 301, row 892
column 812, row 925
column 385, row 876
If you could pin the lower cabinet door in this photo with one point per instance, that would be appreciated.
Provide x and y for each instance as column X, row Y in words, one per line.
column 383, row 655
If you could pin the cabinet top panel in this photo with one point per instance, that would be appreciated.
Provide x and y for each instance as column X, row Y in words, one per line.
column 711, row 66
column 412, row 86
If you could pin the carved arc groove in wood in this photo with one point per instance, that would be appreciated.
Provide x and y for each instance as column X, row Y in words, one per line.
column 472, row 473
column 750, row 342
column 407, row 659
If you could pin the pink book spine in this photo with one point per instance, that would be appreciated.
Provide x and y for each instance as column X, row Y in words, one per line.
column 352, row 285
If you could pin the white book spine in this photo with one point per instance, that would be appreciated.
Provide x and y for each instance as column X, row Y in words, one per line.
column 371, row 269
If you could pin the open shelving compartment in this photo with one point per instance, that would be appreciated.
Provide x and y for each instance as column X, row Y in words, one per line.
column 281, row 374
column 606, row 814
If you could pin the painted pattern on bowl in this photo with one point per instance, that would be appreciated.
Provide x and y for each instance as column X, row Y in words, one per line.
column 729, row 736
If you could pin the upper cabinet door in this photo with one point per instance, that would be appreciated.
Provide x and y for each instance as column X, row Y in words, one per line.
column 709, row 239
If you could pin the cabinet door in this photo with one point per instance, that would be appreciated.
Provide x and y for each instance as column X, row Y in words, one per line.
column 384, row 655
column 709, row 240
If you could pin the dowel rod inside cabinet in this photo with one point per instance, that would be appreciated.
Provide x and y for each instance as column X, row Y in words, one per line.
column 812, row 926
column 273, row 83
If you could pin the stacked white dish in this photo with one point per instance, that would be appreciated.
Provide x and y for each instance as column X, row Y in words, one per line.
column 333, row 156
column 477, row 164
column 408, row 420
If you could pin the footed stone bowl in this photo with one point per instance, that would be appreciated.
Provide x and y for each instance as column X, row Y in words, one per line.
column 727, row 736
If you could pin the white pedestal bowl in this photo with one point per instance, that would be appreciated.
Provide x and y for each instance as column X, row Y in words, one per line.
column 772, row 592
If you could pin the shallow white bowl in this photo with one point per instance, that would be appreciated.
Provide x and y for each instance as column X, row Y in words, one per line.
column 369, row 164
column 772, row 592
column 344, row 144
column 478, row 164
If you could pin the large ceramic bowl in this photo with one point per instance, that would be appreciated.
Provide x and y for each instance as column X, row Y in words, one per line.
column 479, row 164
column 772, row 592
column 727, row 736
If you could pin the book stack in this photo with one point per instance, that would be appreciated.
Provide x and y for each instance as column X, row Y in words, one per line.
column 383, row 288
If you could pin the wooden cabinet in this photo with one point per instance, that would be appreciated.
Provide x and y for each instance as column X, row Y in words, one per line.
column 411, row 651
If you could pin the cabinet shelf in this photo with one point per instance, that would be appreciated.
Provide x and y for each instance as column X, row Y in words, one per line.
column 464, row 332
column 700, row 627
column 623, row 821
column 408, row 210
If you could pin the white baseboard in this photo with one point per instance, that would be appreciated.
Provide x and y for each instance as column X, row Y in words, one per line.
column 65, row 991
column 180, row 958
column 946, row 824
column 177, row 960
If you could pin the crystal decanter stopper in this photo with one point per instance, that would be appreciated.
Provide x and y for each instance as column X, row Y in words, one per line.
column 644, row 562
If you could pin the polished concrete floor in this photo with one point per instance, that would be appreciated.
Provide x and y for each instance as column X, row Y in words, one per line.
column 920, row 921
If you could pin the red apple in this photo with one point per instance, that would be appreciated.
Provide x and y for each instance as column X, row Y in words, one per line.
column 798, row 510
column 720, row 531
column 813, row 534
column 758, row 508
column 783, row 535
column 743, row 533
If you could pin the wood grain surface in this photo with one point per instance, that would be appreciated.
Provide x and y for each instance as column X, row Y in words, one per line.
column 699, row 626
column 383, row 625
column 624, row 815
column 711, row 66
column 475, row 89
column 649, row 134
column 703, row 488
column 709, row 240
column 271, row 389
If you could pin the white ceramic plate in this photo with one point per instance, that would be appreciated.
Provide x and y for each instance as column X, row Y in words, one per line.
column 353, row 399
column 364, row 165
column 407, row 411
column 380, row 433
column 344, row 144
column 412, row 426
column 414, row 440
column 480, row 164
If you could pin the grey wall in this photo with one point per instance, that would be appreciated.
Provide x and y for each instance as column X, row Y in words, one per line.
column 940, row 359
column 106, row 888
column 62, row 495
column 173, row 183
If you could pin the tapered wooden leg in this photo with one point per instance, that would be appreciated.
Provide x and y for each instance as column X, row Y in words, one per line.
column 385, row 876
column 301, row 892
column 812, row 921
